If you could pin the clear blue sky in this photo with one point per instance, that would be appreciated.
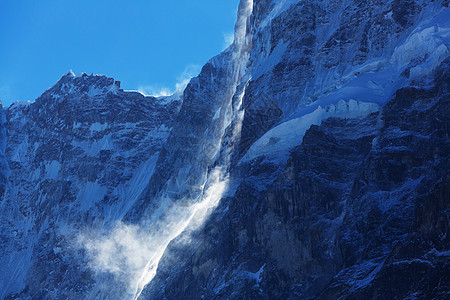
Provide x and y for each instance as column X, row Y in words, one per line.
column 149, row 45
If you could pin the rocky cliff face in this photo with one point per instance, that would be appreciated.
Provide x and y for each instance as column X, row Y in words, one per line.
column 308, row 160
column 359, row 211
column 79, row 156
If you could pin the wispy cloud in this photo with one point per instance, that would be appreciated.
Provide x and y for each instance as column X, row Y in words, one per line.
column 183, row 79
column 228, row 39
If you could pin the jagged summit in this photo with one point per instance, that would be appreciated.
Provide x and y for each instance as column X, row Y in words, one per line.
column 93, row 89
column 82, row 85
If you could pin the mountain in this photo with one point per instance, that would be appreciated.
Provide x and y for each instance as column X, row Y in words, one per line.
column 309, row 160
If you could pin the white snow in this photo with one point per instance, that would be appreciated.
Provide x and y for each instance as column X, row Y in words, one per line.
column 176, row 96
column 279, row 7
column 17, row 264
column 440, row 253
column 256, row 276
column 386, row 200
column 268, row 63
column 217, row 114
column 284, row 137
column 20, row 153
column 55, row 96
column 93, row 147
column 376, row 80
column 424, row 43
column 89, row 194
column 376, row 267
column 68, row 88
column 180, row 218
column 96, row 127
column 21, row 103
column 136, row 251
column 129, row 193
column 52, row 170
column 113, row 88
column 95, row 91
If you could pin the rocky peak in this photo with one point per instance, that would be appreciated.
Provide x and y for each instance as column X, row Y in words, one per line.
column 82, row 85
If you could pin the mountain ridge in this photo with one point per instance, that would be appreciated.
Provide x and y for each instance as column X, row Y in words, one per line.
column 309, row 159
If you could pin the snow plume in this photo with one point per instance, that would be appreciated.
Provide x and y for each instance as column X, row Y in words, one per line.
column 154, row 91
column 244, row 11
column 122, row 252
column 131, row 253
column 189, row 72
column 228, row 39
column 183, row 79
column 183, row 219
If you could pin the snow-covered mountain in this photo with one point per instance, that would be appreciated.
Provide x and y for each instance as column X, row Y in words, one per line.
column 310, row 159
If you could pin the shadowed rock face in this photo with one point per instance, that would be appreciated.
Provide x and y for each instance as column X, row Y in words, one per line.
column 359, row 211
column 328, row 121
column 71, row 158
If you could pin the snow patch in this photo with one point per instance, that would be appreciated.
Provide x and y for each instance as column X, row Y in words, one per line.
column 89, row 194
column 20, row 153
column 284, row 137
column 21, row 103
column 270, row 62
column 96, row 127
column 94, row 91
column 440, row 253
column 217, row 114
column 177, row 96
column 256, row 276
column 17, row 263
column 52, row 170
column 278, row 8
column 113, row 88
column 427, row 44
column 93, row 147
column 129, row 193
